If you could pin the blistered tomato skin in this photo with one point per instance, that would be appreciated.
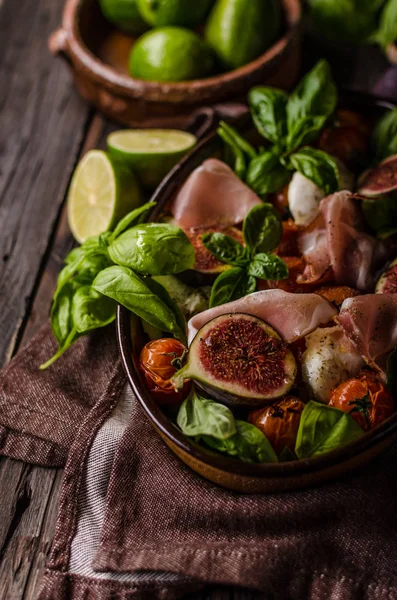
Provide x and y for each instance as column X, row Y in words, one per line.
column 159, row 361
column 279, row 422
column 365, row 398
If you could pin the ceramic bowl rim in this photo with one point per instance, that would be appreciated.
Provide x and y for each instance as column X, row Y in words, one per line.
column 160, row 420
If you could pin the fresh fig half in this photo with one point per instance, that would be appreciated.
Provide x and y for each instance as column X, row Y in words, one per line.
column 206, row 262
column 387, row 282
column 240, row 360
column 380, row 180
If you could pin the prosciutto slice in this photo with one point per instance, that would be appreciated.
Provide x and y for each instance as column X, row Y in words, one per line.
column 213, row 196
column 370, row 322
column 292, row 315
column 337, row 239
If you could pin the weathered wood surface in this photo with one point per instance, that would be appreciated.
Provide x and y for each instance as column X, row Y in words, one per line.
column 44, row 128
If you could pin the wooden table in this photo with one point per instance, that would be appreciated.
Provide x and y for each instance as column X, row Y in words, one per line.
column 44, row 129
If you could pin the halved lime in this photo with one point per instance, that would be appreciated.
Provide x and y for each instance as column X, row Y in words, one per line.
column 100, row 194
column 150, row 153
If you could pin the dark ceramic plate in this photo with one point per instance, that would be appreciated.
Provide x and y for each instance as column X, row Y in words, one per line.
column 228, row 472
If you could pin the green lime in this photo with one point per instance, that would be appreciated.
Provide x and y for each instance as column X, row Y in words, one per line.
column 170, row 54
column 150, row 153
column 174, row 12
column 124, row 14
column 100, row 194
column 241, row 30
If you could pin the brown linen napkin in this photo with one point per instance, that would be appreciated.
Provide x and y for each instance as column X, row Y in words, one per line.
column 337, row 541
column 41, row 411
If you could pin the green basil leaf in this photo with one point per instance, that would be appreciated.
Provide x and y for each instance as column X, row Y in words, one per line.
column 82, row 270
column 248, row 444
column 268, row 110
column 323, row 428
column 268, row 266
column 262, row 228
column 90, row 245
column 226, row 249
column 231, row 285
column 387, row 31
column 199, row 416
column 384, row 136
column 234, row 157
column 128, row 289
column 160, row 291
column 318, row 166
column 310, row 105
column 381, row 215
column 153, row 249
column 104, row 240
column 91, row 310
column 72, row 337
column 61, row 313
column 266, row 174
column 391, row 372
column 135, row 217
column 237, row 140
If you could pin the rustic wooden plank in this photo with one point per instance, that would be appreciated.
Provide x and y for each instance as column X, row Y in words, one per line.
column 43, row 123
column 39, row 560
column 26, row 533
column 22, row 541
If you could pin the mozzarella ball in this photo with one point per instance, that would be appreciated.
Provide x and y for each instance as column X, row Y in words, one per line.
column 329, row 360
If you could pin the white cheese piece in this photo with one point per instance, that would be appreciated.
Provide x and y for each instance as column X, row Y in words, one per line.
column 328, row 360
column 304, row 196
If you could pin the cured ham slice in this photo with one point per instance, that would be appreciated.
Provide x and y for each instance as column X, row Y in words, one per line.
column 292, row 315
column 370, row 322
column 337, row 239
column 329, row 359
column 313, row 244
column 213, row 196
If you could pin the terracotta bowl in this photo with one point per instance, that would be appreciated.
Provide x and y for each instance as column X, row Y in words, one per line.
column 228, row 472
column 98, row 56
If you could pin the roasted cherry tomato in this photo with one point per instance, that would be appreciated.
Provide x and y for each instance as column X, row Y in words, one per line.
column 159, row 361
column 365, row 398
column 338, row 294
column 279, row 422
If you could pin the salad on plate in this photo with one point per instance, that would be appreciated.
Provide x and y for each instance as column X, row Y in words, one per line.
column 267, row 289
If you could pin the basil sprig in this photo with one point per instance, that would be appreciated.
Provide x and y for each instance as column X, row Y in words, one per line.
column 214, row 424
column 318, row 166
column 287, row 123
column 200, row 416
column 262, row 231
column 323, row 428
column 108, row 269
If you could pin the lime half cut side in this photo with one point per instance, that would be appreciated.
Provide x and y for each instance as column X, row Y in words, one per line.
column 150, row 153
column 101, row 193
